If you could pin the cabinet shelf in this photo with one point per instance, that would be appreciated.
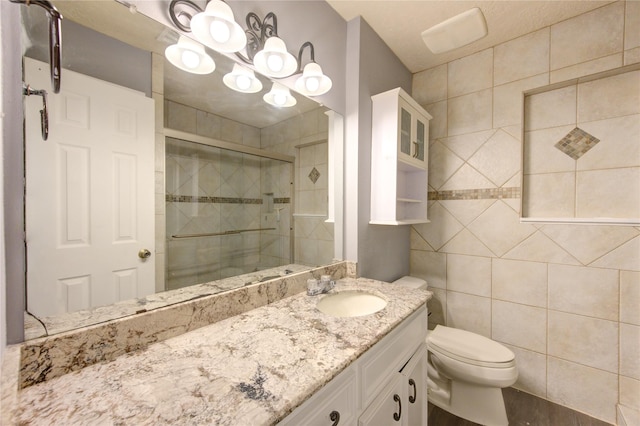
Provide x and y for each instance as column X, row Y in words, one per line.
column 409, row 200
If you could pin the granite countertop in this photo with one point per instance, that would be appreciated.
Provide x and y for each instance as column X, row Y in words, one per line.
column 249, row 369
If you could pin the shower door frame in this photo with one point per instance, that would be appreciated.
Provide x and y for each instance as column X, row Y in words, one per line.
column 216, row 143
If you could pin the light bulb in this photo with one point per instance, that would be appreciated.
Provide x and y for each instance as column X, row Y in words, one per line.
column 275, row 63
column 280, row 98
column 312, row 84
column 190, row 59
column 220, row 31
column 243, row 82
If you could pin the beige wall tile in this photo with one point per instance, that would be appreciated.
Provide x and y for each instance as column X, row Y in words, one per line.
column 466, row 145
column 437, row 307
column 632, row 56
column 550, row 109
column 630, row 297
column 632, row 25
column 499, row 228
column 600, row 194
column 438, row 124
column 180, row 117
column 523, row 57
column 443, row 163
column 586, row 68
column 499, row 158
column 584, row 291
column 609, row 97
column 467, row 177
column 549, row 195
column 417, row 242
column 520, row 282
column 591, row 35
column 470, row 113
column 467, row 243
column 430, row 86
column 630, row 392
column 519, row 325
column 630, row 350
column 469, row 274
column 618, row 146
column 508, row 99
column 430, row 266
column 465, row 211
column 532, row 368
column 469, row 312
column 585, row 340
column 592, row 391
column 442, row 228
column 470, row 74
column 623, row 257
column 541, row 155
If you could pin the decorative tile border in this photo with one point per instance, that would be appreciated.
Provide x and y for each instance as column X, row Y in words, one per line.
column 474, row 194
column 220, row 200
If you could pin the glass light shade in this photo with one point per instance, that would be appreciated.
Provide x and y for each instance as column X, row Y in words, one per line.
column 242, row 79
column 189, row 55
column 279, row 96
column 217, row 28
column 313, row 82
column 274, row 60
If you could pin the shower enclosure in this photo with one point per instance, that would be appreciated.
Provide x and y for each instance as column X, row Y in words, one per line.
column 228, row 212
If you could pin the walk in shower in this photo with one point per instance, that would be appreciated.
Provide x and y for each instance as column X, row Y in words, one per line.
column 228, row 211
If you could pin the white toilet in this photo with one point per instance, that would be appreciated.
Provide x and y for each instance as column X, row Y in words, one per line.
column 466, row 371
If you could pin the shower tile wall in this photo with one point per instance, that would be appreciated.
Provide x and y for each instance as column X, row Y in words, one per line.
column 300, row 136
column 564, row 298
column 215, row 190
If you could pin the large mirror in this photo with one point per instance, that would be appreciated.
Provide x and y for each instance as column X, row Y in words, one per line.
column 227, row 190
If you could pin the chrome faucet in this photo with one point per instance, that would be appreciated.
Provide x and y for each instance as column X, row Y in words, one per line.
column 323, row 285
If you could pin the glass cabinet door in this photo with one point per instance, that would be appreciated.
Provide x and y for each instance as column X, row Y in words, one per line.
column 405, row 131
column 420, row 140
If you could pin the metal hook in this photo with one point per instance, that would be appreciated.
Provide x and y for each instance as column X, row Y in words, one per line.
column 44, row 115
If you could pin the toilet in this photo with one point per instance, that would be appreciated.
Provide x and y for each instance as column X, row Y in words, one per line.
column 466, row 371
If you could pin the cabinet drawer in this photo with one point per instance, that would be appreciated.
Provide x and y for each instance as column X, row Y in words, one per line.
column 389, row 355
column 337, row 396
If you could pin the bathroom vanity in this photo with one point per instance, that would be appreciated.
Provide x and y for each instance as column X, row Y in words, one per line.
column 282, row 362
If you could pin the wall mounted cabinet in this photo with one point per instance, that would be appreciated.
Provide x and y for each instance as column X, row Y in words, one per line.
column 399, row 159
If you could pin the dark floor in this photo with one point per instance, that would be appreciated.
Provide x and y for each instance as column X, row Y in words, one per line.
column 523, row 409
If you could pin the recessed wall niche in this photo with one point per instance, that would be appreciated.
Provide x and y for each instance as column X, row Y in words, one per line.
column 581, row 150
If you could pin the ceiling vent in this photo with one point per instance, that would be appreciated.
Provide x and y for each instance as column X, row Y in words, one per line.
column 455, row 32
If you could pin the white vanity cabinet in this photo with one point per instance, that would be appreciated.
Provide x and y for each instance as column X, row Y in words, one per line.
column 399, row 159
column 377, row 385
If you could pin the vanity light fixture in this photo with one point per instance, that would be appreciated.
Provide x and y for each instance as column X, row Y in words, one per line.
column 189, row 55
column 242, row 79
column 216, row 28
column 279, row 96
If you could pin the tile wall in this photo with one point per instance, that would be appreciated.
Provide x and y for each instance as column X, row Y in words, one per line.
column 305, row 136
column 580, row 143
column 564, row 298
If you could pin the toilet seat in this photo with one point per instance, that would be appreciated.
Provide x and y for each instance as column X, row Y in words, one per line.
column 469, row 348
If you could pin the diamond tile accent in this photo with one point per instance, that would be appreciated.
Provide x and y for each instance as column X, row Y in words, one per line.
column 576, row 143
column 314, row 175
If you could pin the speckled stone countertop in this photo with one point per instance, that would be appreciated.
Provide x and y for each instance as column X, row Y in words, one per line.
column 249, row 369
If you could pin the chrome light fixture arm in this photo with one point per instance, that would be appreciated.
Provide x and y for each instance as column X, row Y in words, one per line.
column 176, row 13
column 258, row 31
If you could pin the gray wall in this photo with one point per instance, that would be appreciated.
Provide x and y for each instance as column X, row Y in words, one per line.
column 382, row 251
column 12, row 176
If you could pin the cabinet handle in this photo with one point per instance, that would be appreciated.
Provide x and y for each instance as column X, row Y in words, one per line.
column 412, row 399
column 335, row 418
column 417, row 151
column 396, row 416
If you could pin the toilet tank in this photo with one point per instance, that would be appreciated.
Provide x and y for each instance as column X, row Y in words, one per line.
column 411, row 282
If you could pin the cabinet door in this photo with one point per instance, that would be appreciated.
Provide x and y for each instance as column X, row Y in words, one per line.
column 406, row 131
column 414, row 134
column 420, row 139
column 388, row 407
column 414, row 376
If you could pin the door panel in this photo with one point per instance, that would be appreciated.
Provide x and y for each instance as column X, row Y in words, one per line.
column 89, row 194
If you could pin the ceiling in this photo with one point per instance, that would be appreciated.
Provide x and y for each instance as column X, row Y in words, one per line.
column 400, row 22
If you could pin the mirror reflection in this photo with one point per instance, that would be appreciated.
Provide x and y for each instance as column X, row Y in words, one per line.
column 233, row 190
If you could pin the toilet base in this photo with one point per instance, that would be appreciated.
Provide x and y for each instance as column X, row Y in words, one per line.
column 479, row 404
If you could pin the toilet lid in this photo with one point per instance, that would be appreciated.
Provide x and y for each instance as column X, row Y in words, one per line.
column 469, row 347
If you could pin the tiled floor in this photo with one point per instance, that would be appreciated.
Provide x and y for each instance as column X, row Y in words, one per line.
column 523, row 409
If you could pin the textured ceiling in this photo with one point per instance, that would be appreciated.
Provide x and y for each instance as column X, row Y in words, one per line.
column 400, row 22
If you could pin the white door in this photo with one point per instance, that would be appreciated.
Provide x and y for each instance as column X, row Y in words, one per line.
column 89, row 193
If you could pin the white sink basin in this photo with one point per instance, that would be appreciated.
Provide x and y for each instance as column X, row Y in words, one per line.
column 351, row 303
